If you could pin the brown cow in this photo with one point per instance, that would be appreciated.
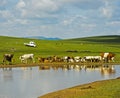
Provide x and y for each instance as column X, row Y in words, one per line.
column 107, row 57
column 44, row 60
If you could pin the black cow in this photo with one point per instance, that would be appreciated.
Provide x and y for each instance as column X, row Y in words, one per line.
column 7, row 57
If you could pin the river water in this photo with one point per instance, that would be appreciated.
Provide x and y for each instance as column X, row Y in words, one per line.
column 33, row 82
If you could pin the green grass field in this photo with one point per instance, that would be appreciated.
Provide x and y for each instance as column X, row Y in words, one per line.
column 45, row 48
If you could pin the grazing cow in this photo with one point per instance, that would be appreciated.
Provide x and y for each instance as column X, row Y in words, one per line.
column 68, row 59
column 57, row 59
column 91, row 58
column 107, row 57
column 41, row 59
column 8, row 57
column 77, row 59
column 24, row 58
column 46, row 59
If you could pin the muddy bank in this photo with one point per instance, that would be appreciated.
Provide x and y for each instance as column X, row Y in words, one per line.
column 54, row 64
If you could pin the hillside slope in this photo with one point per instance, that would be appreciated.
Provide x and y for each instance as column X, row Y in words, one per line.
column 46, row 48
column 99, row 39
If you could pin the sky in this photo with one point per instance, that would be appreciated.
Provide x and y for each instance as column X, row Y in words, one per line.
column 59, row 18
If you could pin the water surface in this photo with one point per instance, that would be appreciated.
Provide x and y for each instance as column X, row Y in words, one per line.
column 34, row 82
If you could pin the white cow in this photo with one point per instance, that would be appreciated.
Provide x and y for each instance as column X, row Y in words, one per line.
column 91, row 58
column 77, row 59
column 24, row 58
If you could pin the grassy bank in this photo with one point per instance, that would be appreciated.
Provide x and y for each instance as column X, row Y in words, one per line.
column 99, row 89
column 45, row 48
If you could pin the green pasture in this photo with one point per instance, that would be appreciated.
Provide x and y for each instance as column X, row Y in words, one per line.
column 60, row 48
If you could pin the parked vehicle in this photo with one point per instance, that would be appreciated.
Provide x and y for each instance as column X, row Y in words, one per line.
column 30, row 44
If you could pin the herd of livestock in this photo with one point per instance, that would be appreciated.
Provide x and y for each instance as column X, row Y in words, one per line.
column 103, row 57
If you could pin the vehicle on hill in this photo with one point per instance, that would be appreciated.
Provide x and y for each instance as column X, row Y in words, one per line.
column 30, row 44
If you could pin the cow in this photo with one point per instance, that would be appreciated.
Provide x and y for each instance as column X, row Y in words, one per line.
column 57, row 59
column 68, row 59
column 24, row 58
column 7, row 57
column 91, row 59
column 45, row 60
column 77, row 59
column 41, row 59
column 107, row 57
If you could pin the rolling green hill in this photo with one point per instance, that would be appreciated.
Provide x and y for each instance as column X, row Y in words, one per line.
column 99, row 39
column 71, row 47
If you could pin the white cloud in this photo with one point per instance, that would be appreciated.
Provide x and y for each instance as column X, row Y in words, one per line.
column 35, row 8
column 108, row 9
column 41, row 8
column 21, row 4
column 107, row 12
column 44, row 5
column 53, row 17
column 10, row 18
column 71, row 19
column 68, row 21
column 88, row 25
column 113, row 23
column 6, row 14
column 21, row 21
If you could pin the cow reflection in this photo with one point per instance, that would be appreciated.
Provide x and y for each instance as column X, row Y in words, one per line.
column 26, row 73
column 77, row 67
column 107, row 70
column 7, row 75
column 44, row 67
column 71, row 67
column 91, row 67
column 26, row 68
column 66, row 67
column 55, row 67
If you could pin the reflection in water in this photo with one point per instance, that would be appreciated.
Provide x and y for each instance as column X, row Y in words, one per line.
column 31, row 82
column 26, row 73
column 107, row 70
column 104, row 69
column 26, row 68
column 63, row 67
column 44, row 67
column 7, row 75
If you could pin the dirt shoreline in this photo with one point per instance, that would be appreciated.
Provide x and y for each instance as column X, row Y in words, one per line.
column 54, row 64
column 93, row 89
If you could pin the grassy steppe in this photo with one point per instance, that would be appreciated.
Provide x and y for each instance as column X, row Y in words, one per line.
column 99, row 89
column 83, row 46
column 45, row 48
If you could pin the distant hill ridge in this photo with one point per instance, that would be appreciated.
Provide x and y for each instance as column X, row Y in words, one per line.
column 44, row 38
column 100, row 39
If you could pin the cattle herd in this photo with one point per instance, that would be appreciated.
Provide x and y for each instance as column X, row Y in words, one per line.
column 103, row 57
